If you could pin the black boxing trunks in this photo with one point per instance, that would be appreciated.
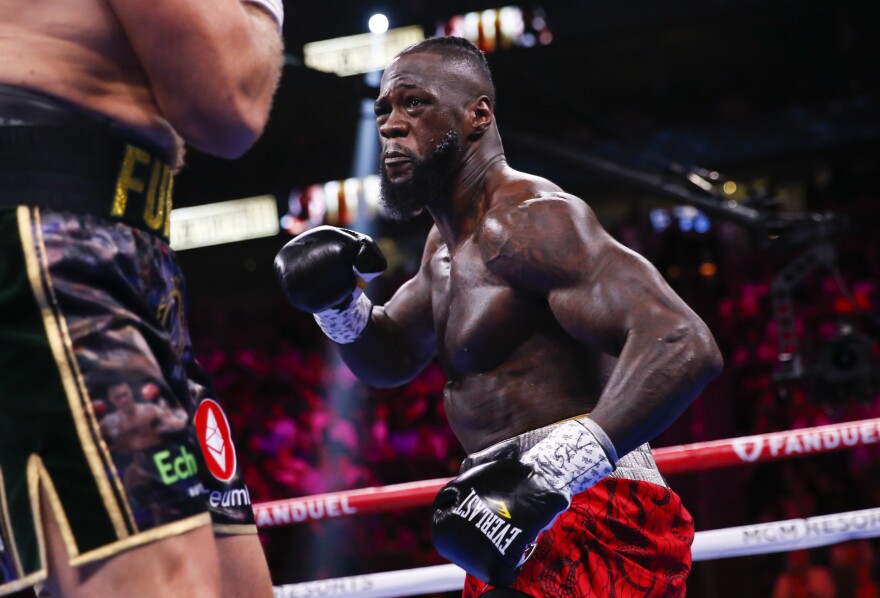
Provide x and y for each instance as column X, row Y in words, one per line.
column 629, row 535
column 102, row 403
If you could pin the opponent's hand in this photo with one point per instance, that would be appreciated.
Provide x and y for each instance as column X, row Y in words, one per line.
column 322, row 268
column 486, row 519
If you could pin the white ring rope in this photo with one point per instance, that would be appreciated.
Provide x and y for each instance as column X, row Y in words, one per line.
column 408, row 582
column 744, row 540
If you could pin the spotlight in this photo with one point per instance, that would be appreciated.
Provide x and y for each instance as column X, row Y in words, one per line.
column 378, row 24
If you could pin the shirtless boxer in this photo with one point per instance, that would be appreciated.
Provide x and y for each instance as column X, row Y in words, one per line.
column 520, row 295
column 97, row 99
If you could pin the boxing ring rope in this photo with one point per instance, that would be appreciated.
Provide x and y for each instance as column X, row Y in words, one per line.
column 688, row 458
column 763, row 538
column 778, row 536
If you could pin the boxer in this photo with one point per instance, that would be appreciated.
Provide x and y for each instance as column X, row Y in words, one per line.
column 522, row 296
column 118, row 473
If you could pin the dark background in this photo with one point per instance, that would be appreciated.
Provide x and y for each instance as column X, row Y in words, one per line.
column 780, row 90
column 781, row 96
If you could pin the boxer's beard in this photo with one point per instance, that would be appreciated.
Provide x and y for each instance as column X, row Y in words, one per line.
column 429, row 179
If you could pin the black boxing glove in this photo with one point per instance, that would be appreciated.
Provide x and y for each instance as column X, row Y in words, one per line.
column 486, row 520
column 323, row 271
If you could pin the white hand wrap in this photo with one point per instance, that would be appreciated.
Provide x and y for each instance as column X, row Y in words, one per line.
column 275, row 8
column 574, row 456
column 344, row 326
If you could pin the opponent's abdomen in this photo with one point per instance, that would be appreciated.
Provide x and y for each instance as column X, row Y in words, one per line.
column 76, row 50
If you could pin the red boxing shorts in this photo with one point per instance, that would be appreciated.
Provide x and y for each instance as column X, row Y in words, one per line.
column 619, row 538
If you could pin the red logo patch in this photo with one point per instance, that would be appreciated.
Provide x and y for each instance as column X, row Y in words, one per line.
column 216, row 440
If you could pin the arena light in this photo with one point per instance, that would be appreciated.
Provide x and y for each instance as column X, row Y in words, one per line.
column 688, row 219
column 340, row 203
column 499, row 28
column 224, row 222
column 358, row 54
column 378, row 24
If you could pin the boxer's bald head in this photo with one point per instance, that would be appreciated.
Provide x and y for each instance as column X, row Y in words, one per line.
column 466, row 63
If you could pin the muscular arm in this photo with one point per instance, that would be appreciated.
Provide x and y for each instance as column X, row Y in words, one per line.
column 610, row 297
column 399, row 340
column 213, row 67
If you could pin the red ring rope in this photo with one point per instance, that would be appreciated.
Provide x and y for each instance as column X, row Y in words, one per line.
column 671, row 460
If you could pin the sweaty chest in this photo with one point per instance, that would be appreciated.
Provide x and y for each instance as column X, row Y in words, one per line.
column 480, row 320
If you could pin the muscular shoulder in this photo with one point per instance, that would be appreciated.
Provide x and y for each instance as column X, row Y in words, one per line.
column 542, row 239
column 433, row 242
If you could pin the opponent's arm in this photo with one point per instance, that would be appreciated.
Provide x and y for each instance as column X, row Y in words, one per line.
column 213, row 66
column 606, row 295
column 322, row 272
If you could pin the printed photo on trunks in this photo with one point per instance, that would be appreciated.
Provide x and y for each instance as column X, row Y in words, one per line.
column 130, row 423
column 215, row 440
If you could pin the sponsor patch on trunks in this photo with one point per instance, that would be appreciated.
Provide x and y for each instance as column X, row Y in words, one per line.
column 215, row 440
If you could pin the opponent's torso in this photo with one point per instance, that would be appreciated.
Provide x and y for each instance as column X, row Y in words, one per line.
column 510, row 365
column 76, row 50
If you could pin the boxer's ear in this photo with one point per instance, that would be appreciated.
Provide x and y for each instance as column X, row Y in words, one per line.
column 481, row 114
